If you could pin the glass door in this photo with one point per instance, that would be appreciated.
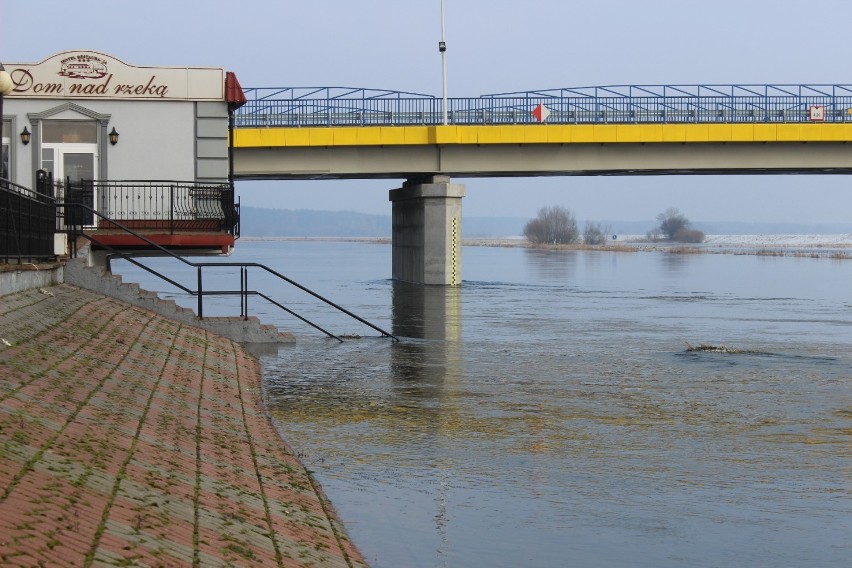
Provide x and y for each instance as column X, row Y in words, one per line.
column 70, row 152
column 77, row 165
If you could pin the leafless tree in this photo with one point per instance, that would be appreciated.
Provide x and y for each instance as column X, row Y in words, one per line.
column 594, row 233
column 671, row 221
column 675, row 226
column 554, row 225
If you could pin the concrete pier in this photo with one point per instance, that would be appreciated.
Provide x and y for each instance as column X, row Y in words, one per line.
column 426, row 230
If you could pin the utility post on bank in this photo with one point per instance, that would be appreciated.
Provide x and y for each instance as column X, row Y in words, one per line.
column 426, row 231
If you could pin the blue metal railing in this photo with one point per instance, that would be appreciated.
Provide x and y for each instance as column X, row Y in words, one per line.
column 615, row 104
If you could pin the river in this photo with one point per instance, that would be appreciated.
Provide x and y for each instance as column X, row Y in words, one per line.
column 549, row 413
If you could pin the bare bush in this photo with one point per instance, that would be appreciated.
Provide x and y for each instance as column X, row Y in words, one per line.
column 554, row 225
column 675, row 227
column 654, row 234
column 686, row 235
column 594, row 233
column 671, row 221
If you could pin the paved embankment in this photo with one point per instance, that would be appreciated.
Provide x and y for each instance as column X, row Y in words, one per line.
column 131, row 439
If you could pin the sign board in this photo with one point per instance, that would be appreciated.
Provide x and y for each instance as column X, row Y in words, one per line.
column 816, row 112
column 93, row 75
column 541, row 112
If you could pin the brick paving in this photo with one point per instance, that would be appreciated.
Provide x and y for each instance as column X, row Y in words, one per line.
column 129, row 439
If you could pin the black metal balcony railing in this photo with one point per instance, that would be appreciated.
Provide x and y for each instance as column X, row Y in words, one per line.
column 27, row 224
column 170, row 206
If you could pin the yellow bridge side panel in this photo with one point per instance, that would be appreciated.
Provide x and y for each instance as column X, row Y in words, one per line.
column 491, row 135
column 445, row 134
column 583, row 133
column 395, row 135
column 830, row 132
column 812, row 132
column 540, row 134
column 629, row 133
column 349, row 136
column 789, row 132
column 697, row 133
column 674, row 133
column 468, row 135
column 742, row 133
column 765, row 132
column 321, row 137
column 650, row 132
column 562, row 134
column 719, row 132
column 534, row 133
column 371, row 136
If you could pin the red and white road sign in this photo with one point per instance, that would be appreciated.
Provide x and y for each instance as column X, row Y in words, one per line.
column 541, row 112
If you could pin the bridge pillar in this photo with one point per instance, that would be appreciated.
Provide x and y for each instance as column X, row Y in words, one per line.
column 426, row 231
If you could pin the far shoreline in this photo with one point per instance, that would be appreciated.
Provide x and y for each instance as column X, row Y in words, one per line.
column 837, row 247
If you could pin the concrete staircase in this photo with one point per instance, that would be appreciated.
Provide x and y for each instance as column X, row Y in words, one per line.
column 260, row 338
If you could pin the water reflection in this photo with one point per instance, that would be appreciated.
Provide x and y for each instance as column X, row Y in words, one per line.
column 674, row 263
column 551, row 264
column 428, row 362
column 428, row 318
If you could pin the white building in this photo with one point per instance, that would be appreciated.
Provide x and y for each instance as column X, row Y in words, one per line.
column 92, row 122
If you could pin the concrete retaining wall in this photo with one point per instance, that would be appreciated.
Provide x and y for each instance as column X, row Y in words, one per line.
column 17, row 278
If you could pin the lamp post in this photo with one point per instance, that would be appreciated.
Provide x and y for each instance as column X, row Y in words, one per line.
column 442, row 47
column 6, row 86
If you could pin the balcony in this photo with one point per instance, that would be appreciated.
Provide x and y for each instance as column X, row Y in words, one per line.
column 194, row 217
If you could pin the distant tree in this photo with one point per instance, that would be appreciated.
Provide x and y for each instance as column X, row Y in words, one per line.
column 594, row 233
column 554, row 225
column 654, row 234
column 686, row 235
column 675, row 226
column 671, row 221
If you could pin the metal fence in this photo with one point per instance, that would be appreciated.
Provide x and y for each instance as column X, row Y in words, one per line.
column 626, row 104
column 27, row 224
column 159, row 205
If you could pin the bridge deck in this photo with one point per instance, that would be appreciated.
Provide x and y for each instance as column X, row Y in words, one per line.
column 277, row 137
column 354, row 133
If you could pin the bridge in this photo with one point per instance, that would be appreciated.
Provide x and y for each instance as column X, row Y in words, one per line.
column 342, row 133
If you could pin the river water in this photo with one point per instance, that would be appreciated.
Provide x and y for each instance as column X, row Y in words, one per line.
column 548, row 413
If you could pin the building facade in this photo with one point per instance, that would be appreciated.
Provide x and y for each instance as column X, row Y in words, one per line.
column 84, row 117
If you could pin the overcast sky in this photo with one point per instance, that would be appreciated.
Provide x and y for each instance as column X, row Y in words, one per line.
column 493, row 46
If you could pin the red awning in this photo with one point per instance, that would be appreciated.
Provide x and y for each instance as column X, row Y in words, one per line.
column 233, row 91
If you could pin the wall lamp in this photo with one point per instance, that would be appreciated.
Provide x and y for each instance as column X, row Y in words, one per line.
column 113, row 137
column 25, row 136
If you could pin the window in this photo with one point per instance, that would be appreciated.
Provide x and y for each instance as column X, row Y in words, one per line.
column 69, row 131
column 47, row 158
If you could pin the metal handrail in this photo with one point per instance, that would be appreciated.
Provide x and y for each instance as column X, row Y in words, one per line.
column 614, row 104
column 27, row 224
column 244, row 292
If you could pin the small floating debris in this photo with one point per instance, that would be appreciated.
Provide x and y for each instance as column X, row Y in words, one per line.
column 704, row 348
column 350, row 336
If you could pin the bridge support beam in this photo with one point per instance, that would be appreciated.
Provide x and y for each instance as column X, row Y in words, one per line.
column 426, row 231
